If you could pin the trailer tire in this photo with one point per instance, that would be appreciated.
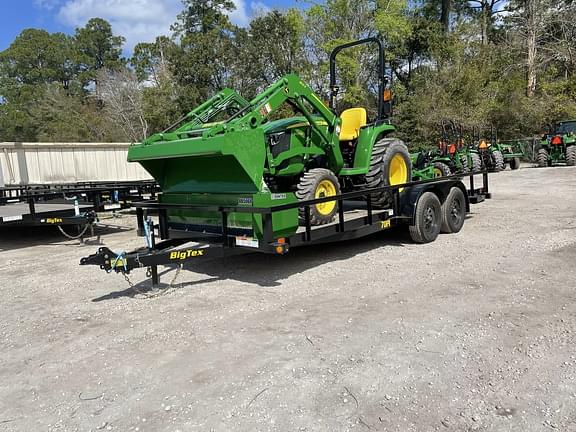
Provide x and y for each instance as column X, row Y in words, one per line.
column 453, row 211
column 542, row 158
column 571, row 155
column 514, row 163
column 318, row 183
column 498, row 159
column 389, row 165
column 427, row 219
column 441, row 170
column 476, row 162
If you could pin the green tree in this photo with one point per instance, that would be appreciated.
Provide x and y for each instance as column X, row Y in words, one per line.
column 98, row 48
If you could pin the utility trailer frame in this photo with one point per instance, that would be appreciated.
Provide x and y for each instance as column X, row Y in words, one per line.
column 68, row 203
column 173, row 248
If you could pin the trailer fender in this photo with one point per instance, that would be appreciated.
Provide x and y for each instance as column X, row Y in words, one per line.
column 411, row 196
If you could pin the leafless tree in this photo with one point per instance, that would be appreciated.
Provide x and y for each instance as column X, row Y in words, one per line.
column 122, row 96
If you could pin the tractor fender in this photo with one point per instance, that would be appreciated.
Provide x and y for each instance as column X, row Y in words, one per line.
column 410, row 196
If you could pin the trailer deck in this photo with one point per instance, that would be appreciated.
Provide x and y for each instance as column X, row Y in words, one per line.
column 68, row 203
column 356, row 218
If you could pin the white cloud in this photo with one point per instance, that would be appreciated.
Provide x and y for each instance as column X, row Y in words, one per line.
column 240, row 16
column 139, row 20
column 136, row 20
column 259, row 8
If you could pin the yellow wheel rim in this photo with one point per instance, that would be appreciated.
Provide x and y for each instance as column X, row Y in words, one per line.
column 398, row 173
column 325, row 189
column 438, row 173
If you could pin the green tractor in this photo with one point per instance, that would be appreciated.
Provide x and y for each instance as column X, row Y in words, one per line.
column 558, row 144
column 234, row 152
column 488, row 151
column 448, row 159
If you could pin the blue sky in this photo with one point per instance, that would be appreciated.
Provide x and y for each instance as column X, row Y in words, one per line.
column 136, row 20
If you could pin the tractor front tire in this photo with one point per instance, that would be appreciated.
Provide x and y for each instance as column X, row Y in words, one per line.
column 318, row 183
column 542, row 158
column 453, row 211
column 476, row 162
column 389, row 165
column 498, row 159
column 427, row 219
column 441, row 170
column 571, row 155
column 514, row 163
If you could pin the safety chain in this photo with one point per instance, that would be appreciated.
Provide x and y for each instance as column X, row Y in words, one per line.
column 149, row 274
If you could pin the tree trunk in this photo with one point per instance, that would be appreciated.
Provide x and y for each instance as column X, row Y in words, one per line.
column 445, row 15
column 531, row 33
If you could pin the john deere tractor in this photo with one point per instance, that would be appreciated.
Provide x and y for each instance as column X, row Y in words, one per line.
column 490, row 155
column 234, row 152
column 558, row 144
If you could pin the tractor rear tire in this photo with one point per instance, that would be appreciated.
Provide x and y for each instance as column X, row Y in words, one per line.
column 464, row 162
column 514, row 163
column 441, row 170
column 498, row 159
column 571, row 155
column 453, row 211
column 390, row 165
column 427, row 219
column 318, row 183
column 476, row 162
column 542, row 158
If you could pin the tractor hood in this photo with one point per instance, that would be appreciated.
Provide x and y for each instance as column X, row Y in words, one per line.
column 229, row 163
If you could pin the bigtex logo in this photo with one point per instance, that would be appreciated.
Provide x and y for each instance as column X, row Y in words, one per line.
column 53, row 220
column 185, row 254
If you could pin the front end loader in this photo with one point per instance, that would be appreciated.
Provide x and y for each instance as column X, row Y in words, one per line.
column 234, row 152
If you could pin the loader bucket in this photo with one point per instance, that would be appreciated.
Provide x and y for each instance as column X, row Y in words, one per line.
column 229, row 163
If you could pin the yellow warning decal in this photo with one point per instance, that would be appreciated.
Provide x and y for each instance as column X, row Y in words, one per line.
column 385, row 224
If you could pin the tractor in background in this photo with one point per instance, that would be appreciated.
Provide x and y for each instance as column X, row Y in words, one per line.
column 488, row 151
column 558, row 144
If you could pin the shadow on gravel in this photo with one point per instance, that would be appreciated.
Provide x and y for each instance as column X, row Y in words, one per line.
column 267, row 270
column 18, row 237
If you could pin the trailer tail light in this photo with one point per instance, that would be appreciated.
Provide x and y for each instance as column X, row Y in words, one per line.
column 557, row 140
column 281, row 246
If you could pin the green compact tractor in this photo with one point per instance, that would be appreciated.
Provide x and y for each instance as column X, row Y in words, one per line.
column 558, row 144
column 234, row 152
column 490, row 155
column 449, row 158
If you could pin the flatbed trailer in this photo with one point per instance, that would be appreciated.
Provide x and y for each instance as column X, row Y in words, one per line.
column 68, row 203
column 356, row 218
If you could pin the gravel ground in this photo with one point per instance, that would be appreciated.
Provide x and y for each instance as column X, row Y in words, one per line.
column 474, row 332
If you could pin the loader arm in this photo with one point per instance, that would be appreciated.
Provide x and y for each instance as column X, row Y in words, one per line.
column 289, row 89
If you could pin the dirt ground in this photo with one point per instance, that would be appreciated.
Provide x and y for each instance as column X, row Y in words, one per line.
column 475, row 332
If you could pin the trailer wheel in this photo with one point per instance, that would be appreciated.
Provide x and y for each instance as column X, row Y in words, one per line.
column 318, row 183
column 389, row 165
column 476, row 162
column 571, row 155
column 542, row 158
column 441, row 170
column 453, row 211
column 514, row 163
column 498, row 159
column 427, row 220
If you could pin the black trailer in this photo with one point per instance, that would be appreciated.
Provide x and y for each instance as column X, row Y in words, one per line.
column 68, row 203
column 427, row 207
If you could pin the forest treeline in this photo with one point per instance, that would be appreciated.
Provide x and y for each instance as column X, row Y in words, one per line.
column 510, row 63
